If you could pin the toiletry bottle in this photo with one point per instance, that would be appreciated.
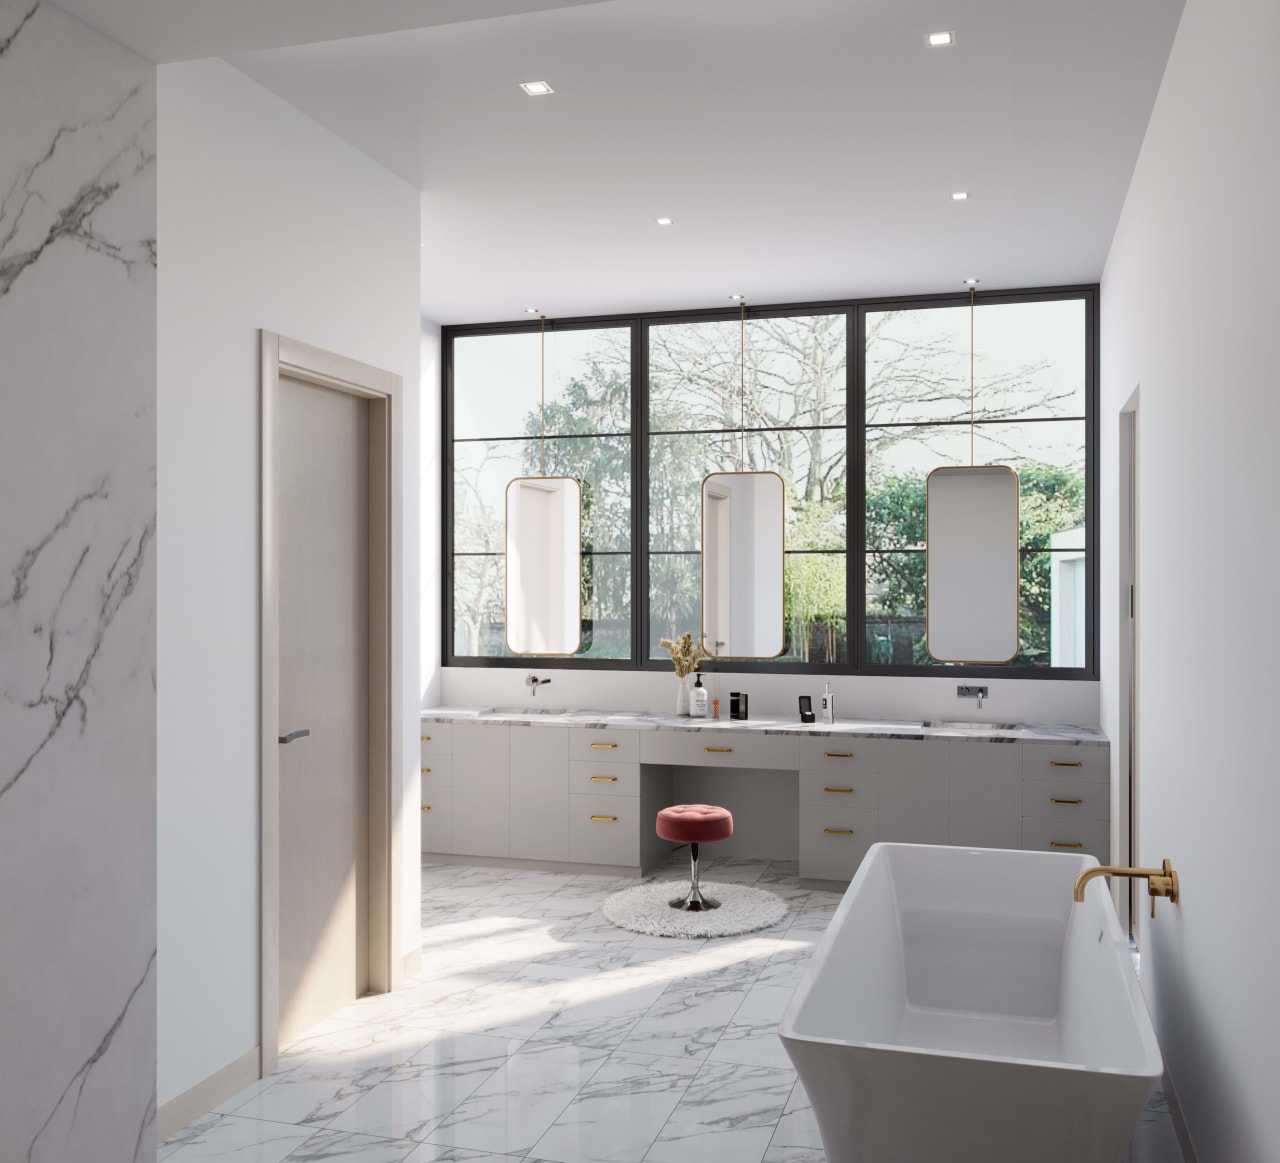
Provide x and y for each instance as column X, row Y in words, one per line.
column 828, row 705
column 698, row 699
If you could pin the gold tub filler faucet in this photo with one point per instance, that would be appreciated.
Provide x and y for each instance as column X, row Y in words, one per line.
column 1161, row 881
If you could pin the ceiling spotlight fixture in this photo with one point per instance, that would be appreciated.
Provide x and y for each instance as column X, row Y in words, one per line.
column 960, row 196
column 531, row 311
column 664, row 221
column 737, row 298
column 971, row 282
column 536, row 88
column 941, row 39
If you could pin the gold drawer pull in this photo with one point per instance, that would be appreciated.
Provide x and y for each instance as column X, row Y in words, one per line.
column 1053, row 801
column 1062, row 844
column 1057, row 763
column 838, row 754
column 718, row 750
column 426, row 738
column 426, row 771
column 846, row 790
column 604, row 779
column 427, row 808
column 606, row 746
column 838, row 831
column 607, row 819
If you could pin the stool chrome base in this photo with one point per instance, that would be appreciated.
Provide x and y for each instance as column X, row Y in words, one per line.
column 694, row 901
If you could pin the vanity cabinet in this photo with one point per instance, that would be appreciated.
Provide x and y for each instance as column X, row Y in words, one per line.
column 482, row 789
column 585, row 795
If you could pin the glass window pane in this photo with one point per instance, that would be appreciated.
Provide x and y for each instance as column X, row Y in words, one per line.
column 482, row 470
column 1029, row 361
column 817, row 624
column 1049, row 459
column 794, row 374
column 816, row 496
column 479, row 612
column 497, row 383
column 1051, row 624
column 675, row 597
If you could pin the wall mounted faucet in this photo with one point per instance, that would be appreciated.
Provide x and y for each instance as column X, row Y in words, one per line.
column 1162, row 881
column 533, row 682
column 972, row 692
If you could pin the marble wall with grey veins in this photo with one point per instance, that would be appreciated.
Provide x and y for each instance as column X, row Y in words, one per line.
column 77, row 593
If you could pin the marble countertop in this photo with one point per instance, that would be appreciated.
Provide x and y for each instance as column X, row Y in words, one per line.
column 867, row 728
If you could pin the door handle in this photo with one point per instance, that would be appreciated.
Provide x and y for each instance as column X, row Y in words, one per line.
column 289, row 738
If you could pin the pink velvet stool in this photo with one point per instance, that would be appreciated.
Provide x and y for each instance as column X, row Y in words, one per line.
column 694, row 824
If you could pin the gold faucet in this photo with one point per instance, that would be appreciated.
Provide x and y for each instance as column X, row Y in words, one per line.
column 1161, row 881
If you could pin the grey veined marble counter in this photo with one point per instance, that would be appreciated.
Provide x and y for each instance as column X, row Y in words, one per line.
column 868, row 728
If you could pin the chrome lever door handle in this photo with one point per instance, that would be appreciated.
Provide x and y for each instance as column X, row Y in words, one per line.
column 289, row 738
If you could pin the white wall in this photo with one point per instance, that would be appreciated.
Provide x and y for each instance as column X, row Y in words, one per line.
column 429, row 492
column 1189, row 308
column 265, row 221
column 77, row 592
column 1012, row 700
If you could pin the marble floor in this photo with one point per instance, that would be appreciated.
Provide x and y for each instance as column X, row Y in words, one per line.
column 538, row 1031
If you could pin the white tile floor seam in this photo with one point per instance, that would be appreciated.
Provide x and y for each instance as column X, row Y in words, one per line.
column 537, row 1032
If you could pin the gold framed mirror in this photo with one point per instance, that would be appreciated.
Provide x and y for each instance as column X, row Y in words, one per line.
column 544, row 566
column 743, row 564
column 972, row 564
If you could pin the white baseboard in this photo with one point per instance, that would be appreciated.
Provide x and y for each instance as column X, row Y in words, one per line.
column 531, row 865
column 179, row 1113
column 1179, row 1121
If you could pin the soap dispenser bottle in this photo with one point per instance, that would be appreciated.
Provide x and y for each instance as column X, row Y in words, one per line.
column 698, row 699
column 828, row 705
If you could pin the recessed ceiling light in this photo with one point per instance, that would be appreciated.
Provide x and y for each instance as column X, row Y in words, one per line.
column 664, row 221
column 531, row 310
column 960, row 196
column 941, row 39
column 737, row 298
column 536, row 88
column 971, row 282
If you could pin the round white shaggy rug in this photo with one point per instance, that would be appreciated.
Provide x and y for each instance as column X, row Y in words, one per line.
column 646, row 908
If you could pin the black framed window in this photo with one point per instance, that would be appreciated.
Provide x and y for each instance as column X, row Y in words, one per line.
column 852, row 402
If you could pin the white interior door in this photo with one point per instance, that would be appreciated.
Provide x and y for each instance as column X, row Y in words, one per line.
column 322, row 473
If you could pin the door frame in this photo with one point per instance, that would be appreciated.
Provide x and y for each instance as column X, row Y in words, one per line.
column 1124, row 806
column 283, row 357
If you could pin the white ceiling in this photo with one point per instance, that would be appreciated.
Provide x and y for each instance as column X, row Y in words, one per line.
column 805, row 149
column 183, row 30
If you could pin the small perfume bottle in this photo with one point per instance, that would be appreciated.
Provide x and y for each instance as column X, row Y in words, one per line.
column 698, row 699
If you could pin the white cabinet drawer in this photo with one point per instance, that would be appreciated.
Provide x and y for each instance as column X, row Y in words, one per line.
column 1065, row 799
column 838, row 753
column 718, row 748
column 587, row 777
column 437, row 820
column 833, row 841
column 604, row 829
column 620, row 746
column 437, row 771
column 436, row 738
column 1092, row 837
column 1053, row 761
column 986, row 795
column 838, row 789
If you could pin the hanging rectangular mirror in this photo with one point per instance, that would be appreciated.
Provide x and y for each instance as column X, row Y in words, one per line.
column 971, row 564
column 544, row 565
column 743, row 543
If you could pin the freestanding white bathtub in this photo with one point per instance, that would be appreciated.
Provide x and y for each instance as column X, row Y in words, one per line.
column 962, row 1008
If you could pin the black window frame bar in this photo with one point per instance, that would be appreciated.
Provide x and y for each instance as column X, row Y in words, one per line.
column 855, row 311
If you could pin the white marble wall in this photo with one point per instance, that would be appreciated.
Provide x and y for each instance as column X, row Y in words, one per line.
column 77, row 593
